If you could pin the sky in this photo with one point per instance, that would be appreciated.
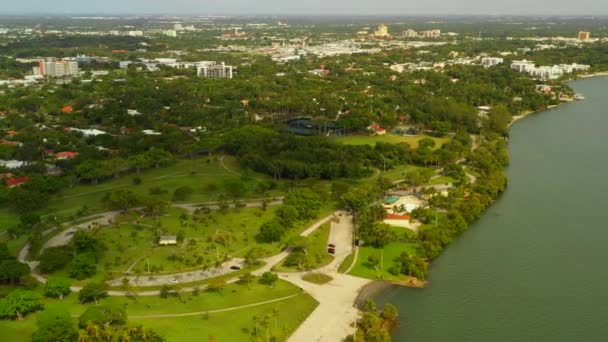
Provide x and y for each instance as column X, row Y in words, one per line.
column 307, row 7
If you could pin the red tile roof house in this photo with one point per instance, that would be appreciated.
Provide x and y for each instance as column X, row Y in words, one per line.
column 377, row 129
column 398, row 220
column 66, row 155
column 13, row 182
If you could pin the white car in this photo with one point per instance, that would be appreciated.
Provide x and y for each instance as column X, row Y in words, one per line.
column 174, row 281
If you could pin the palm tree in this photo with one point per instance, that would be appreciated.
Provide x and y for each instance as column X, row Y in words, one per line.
column 275, row 314
column 83, row 336
column 147, row 334
column 93, row 330
column 107, row 333
column 125, row 337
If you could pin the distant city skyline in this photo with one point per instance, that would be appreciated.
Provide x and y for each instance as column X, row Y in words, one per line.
column 310, row 7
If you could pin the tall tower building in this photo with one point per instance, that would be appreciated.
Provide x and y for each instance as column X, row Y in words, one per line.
column 584, row 36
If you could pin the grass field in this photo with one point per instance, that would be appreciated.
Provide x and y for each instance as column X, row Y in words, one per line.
column 317, row 278
column 316, row 251
column 278, row 319
column 291, row 312
column 131, row 245
column 206, row 176
column 388, row 138
column 391, row 251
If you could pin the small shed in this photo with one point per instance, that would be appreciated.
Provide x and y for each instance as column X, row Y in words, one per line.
column 166, row 240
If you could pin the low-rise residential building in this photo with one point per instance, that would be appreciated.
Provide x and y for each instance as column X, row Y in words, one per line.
column 166, row 240
column 547, row 72
column 170, row 33
column 491, row 61
column 66, row 155
column 16, row 182
column 398, row 220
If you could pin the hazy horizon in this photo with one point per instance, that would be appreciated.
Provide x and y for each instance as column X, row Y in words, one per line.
column 311, row 7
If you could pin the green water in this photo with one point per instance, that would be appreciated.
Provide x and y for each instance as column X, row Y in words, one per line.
column 533, row 268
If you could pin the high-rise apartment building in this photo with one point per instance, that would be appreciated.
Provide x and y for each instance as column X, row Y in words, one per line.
column 409, row 33
column 56, row 68
column 584, row 36
column 382, row 31
column 214, row 70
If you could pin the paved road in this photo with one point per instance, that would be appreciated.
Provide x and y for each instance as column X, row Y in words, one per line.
column 332, row 319
column 184, row 277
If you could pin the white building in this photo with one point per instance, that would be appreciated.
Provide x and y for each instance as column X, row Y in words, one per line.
column 178, row 27
column 491, row 61
column 409, row 33
column 431, row 33
column 56, row 68
column 135, row 33
column 170, row 33
column 547, row 72
column 523, row 66
column 214, row 70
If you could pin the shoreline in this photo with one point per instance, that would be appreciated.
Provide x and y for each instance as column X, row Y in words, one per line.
column 595, row 74
column 529, row 112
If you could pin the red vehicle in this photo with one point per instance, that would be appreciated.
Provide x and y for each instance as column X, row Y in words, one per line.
column 331, row 250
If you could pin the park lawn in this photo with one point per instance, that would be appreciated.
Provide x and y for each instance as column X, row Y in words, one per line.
column 393, row 250
column 317, row 251
column 18, row 331
column 399, row 172
column 205, row 176
column 441, row 180
column 237, row 325
column 389, row 138
column 232, row 295
column 135, row 243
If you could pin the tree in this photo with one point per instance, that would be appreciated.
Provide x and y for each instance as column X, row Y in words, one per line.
column 271, row 231
column 83, row 266
column 12, row 270
column 56, row 288
column 103, row 315
column 19, row 303
column 247, row 279
column 390, row 312
column 165, row 291
column 158, row 157
column 55, row 258
column 288, row 214
column 269, row 278
column 121, row 199
column 252, row 258
column 140, row 161
column 374, row 261
column 55, row 326
column 182, row 193
column 305, row 201
column 91, row 292
column 155, row 206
